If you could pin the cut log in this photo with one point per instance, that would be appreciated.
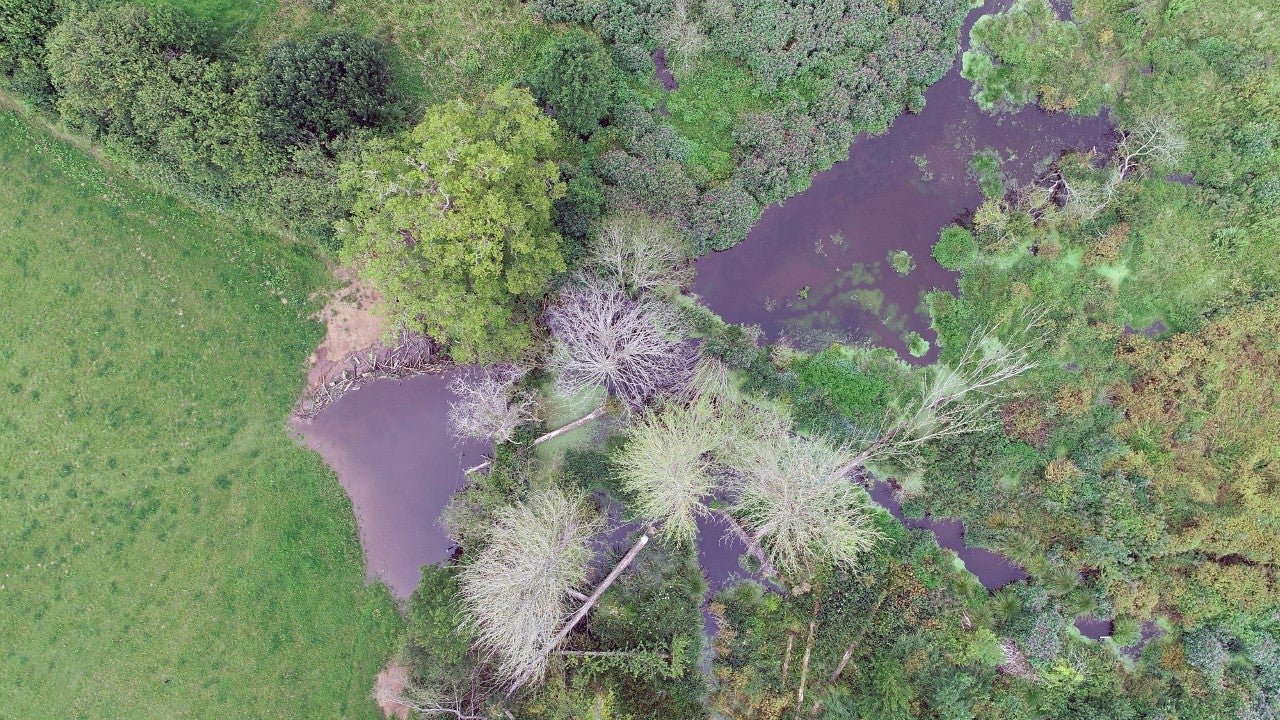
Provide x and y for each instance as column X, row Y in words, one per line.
column 548, row 436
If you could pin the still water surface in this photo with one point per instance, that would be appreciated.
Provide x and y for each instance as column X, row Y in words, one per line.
column 389, row 444
column 813, row 269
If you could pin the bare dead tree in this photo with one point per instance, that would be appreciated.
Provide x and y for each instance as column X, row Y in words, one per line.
column 516, row 593
column 604, row 338
column 1153, row 140
column 957, row 398
column 488, row 404
column 791, row 496
column 640, row 254
column 427, row 704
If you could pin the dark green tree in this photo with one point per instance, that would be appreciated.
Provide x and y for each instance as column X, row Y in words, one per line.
column 24, row 24
column 576, row 77
column 316, row 90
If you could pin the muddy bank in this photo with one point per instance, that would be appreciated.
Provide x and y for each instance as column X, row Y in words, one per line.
column 392, row 451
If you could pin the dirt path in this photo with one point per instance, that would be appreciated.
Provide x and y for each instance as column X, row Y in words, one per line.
column 350, row 326
column 388, row 691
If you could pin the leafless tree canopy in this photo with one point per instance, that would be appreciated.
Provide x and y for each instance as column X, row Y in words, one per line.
column 668, row 465
column 640, row 254
column 516, row 592
column 793, row 499
column 605, row 338
column 488, row 404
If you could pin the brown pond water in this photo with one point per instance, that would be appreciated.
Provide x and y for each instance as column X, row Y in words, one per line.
column 815, row 267
column 991, row 568
column 392, row 451
column 388, row 441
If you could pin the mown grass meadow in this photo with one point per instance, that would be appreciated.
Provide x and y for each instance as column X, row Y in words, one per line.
column 167, row 551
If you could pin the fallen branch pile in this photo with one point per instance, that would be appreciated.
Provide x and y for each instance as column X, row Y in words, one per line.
column 412, row 355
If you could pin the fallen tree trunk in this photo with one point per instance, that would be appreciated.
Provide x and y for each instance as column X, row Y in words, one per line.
column 848, row 654
column 804, row 665
column 753, row 545
column 599, row 591
column 549, row 436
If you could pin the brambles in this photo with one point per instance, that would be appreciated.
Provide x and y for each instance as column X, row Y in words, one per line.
column 516, row 591
column 631, row 347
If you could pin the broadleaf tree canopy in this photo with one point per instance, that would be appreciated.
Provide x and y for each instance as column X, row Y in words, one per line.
column 453, row 221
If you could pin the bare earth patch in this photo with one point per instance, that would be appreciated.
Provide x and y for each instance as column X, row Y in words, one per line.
column 350, row 327
column 388, row 691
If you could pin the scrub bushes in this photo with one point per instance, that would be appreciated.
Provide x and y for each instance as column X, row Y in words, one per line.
column 164, row 96
column 315, row 91
column 575, row 76
column 955, row 248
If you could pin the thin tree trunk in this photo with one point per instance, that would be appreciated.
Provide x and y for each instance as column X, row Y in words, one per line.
column 595, row 596
column 786, row 659
column 571, row 426
column 549, row 436
column 804, row 665
column 848, row 653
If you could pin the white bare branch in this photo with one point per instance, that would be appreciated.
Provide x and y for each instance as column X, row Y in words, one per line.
column 1152, row 141
column 793, row 499
column 488, row 404
column 640, row 254
column 604, row 338
column 681, row 36
column 516, row 592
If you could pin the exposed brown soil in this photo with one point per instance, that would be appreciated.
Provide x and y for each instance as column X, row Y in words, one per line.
column 350, row 326
column 388, row 691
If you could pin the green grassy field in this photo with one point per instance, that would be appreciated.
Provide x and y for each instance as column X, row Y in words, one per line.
column 166, row 550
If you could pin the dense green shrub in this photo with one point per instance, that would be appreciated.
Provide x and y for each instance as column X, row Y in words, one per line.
column 150, row 85
column 306, row 198
column 315, row 90
column 955, row 248
column 24, row 26
column 838, row 394
column 437, row 643
column 576, row 77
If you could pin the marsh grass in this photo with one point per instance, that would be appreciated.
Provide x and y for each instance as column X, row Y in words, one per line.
column 167, row 550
